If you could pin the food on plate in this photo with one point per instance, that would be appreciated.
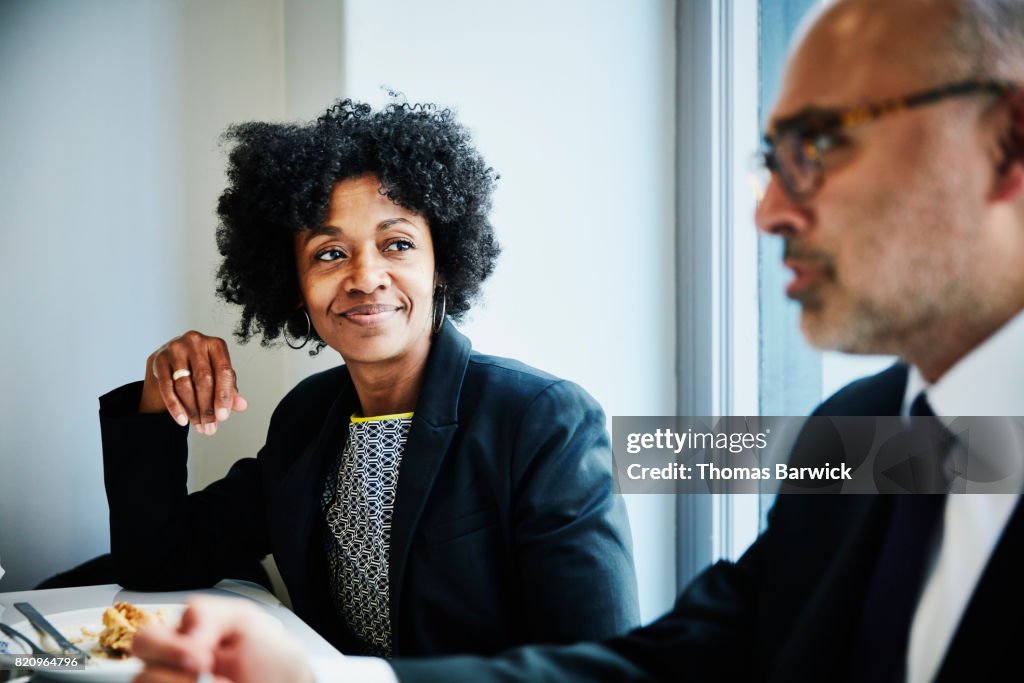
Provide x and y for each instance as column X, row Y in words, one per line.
column 120, row 623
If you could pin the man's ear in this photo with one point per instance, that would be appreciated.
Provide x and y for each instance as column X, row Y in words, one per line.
column 1009, row 177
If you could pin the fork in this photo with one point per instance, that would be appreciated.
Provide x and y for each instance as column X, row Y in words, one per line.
column 17, row 673
column 15, row 633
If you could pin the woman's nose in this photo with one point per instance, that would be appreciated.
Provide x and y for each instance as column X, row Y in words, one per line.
column 367, row 272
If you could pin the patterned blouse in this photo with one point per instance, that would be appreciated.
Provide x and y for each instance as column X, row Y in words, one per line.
column 358, row 504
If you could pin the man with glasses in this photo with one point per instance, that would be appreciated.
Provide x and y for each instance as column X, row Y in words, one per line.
column 896, row 160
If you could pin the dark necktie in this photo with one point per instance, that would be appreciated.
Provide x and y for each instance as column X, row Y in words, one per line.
column 880, row 650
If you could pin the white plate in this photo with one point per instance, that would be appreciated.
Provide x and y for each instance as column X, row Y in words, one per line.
column 12, row 646
column 97, row 669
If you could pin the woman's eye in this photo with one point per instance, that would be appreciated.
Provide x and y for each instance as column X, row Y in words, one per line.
column 330, row 255
column 399, row 245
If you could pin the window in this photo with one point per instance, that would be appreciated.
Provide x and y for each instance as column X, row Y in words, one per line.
column 740, row 351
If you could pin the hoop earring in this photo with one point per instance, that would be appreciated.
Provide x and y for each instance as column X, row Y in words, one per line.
column 438, row 320
column 309, row 331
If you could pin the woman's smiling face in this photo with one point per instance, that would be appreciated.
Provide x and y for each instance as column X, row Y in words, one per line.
column 367, row 276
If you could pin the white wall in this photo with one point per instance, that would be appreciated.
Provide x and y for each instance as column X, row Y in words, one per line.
column 90, row 213
column 109, row 173
column 111, row 170
column 572, row 103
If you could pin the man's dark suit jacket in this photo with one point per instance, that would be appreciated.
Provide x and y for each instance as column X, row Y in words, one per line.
column 787, row 611
column 505, row 527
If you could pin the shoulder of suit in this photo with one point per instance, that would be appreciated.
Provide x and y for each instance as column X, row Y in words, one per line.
column 866, row 396
column 321, row 387
column 515, row 378
column 496, row 367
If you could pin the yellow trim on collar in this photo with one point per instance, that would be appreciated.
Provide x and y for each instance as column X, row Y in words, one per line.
column 380, row 418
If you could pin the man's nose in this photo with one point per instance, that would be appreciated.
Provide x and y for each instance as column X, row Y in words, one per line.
column 779, row 214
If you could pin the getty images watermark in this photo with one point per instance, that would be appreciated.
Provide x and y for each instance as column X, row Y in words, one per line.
column 818, row 455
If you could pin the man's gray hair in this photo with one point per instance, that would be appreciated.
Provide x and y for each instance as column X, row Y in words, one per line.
column 987, row 40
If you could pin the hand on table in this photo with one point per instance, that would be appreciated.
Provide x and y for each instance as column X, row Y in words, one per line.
column 191, row 378
column 232, row 639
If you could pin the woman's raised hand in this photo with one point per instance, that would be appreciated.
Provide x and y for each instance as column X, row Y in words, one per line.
column 191, row 378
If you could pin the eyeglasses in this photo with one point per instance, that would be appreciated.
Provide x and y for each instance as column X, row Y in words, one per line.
column 794, row 151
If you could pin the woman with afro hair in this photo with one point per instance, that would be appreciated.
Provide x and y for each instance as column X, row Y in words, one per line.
column 419, row 499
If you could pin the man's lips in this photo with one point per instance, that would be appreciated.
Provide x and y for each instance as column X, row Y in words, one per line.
column 811, row 268
column 806, row 275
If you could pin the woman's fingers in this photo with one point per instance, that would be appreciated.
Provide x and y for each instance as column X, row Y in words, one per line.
column 203, row 386
column 162, row 372
column 192, row 377
column 212, row 379
column 224, row 385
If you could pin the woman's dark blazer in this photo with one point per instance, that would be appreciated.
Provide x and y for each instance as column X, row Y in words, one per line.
column 505, row 527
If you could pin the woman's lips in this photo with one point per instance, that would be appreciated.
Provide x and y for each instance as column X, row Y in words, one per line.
column 370, row 315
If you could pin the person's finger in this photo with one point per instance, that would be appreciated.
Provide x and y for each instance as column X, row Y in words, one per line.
column 164, row 647
column 247, row 643
column 210, row 619
column 163, row 376
column 179, row 358
column 198, row 347
column 214, row 622
column 225, row 386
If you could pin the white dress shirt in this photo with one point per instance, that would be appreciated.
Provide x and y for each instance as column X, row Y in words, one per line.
column 342, row 669
column 989, row 381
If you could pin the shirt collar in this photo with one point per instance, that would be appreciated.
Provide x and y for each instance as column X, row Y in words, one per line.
column 989, row 380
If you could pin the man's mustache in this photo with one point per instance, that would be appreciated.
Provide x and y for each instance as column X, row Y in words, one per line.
column 814, row 257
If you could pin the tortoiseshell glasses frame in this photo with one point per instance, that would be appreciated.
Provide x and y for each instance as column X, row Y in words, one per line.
column 794, row 151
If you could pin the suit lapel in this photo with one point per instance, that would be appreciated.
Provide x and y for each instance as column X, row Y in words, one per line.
column 984, row 642
column 301, row 494
column 880, row 394
column 819, row 644
column 819, row 647
column 433, row 427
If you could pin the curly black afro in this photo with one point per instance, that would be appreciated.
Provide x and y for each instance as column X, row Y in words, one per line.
column 280, row 177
